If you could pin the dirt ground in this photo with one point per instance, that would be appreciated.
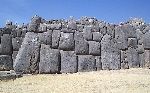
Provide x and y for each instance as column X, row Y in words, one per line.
column 121, row 81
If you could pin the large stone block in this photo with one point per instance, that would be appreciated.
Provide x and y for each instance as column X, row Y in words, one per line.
column 14, row 55
column 27, row 58
column 132, row 42
column 147, row 58
column 133, row 58
column 121, row 38
column 97, row 36
column 87, row 33
column 141, row 60
column 6, row 44
column 72, row 25
column 94, row 48
column 45, row 37
column 16, row 42
column 49, row 60
column 66, row 41
column 68, row 62
column 6, row 62
column 55, row 38
column 81, row 47
column 98, row 63
column 140, row 49
column 110, row 55
column 146, row 40
column 86, row 63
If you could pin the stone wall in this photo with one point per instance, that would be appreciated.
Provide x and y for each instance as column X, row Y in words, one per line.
column 70, row 46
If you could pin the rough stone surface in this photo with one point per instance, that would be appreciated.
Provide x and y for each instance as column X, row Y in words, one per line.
column 55, row 38
column 6, row 45
column 94, row 48
column 98, row 63
column 68, row 62
column 132, row 42
column 87, row 33
column 49, row 60
column 27, row 58
column 146, row 40
column 110, row 55
column 133, row 59
column 66, row 41
column 86, row 63
column 6, row 62
column 16, row 42
column 147, row 59
column 97, row 36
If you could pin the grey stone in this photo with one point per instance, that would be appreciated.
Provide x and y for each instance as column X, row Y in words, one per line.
column 141, row 60
column 45, row 37
column 86, row 63
column 65, row 30
column 146, row 40
column 147, row 59
column 110, row 55
column 66, row 41
column 14, row 55
column 49, row 60
column 121, row 38
column 27, row 58
column 97, row 36
column 124, row 66
column 132, row 42
column 87, row 33
column 140, row 49
column 98, row 63
column 16, row 42
column 42, row 28
column 6, row 62
column 94, row 48
column 133, row 59
column 103, row 30
column 6, row 44
column 81, row 47
column 72, row 25
column 68, row 62
column 55, row 38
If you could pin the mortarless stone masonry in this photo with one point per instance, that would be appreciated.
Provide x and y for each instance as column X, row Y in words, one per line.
column 70, row 46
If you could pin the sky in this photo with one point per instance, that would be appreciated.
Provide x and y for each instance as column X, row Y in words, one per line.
column 112, row 11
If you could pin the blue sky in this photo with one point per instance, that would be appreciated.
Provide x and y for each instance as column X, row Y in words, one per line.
column 113, row 11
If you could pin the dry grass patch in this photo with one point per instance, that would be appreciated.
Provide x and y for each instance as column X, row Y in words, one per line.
column 121, row 81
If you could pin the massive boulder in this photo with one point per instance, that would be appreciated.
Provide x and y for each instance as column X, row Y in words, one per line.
column 68, row 62
column 49, row 60
column 27, row 58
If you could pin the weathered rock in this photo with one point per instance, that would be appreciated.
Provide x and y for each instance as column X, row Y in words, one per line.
column 132, row 42
column 121, row 38
column 97, row 36
column 16, row 42
column 6, row 62
column 110, row 55
column 124, row 66
column 55, row 38
column 140, row 49
column 72, row 25
column 65, row 30
column 8, row 75
column 45, row 37
column 27, row 58
column 49, row 60
column 141, row 60
column 147, row 58
column 87, row 33
column 146, row 40
column 66, row 41
column 14, row 55
column 98, row 63
column 68, row 62
column 133, row 58
column 94, row 48
column 86, row 63
column 6, row 45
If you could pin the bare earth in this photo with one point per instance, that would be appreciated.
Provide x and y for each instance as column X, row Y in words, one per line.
column 121, row 81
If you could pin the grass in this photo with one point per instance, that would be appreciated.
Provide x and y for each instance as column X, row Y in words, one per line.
column 119, row 81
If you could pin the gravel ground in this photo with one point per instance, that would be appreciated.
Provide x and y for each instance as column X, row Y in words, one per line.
column 117, row 81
